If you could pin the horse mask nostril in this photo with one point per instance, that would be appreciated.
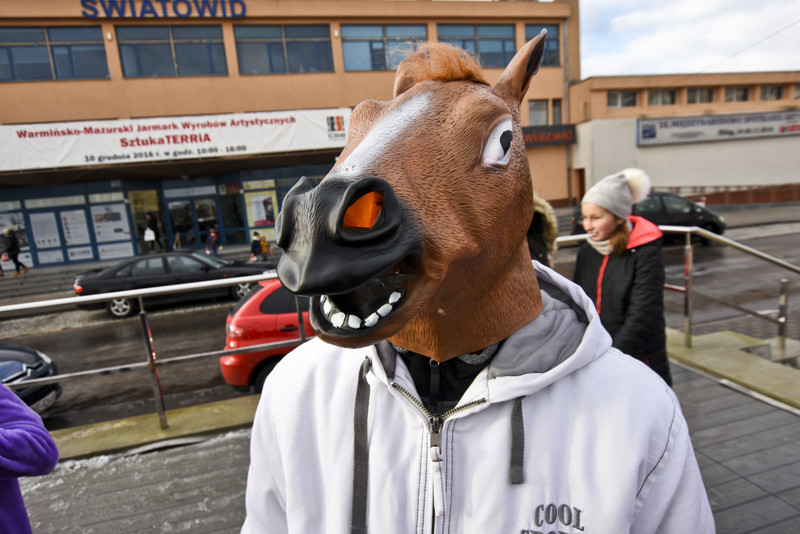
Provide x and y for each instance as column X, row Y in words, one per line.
column 364, row 212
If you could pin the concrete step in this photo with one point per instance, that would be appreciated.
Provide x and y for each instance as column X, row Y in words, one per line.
column 750, row 362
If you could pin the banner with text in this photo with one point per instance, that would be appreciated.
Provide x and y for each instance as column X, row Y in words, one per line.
column 697, row 129
column 90, row 143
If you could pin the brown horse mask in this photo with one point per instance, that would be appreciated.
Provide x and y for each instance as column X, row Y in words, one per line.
column 417, row 234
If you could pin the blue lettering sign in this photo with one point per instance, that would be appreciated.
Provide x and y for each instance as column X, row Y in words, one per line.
column 181, row 9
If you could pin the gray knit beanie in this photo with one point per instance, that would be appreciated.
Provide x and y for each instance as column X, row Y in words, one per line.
column 619, row 192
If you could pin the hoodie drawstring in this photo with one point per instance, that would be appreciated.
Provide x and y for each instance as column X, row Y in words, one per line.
column 516, row 464
column 358, row 516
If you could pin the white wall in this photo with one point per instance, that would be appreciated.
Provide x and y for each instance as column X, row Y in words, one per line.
column 607, row 146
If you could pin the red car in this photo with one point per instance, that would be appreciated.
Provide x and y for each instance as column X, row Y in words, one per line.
column 268, row 314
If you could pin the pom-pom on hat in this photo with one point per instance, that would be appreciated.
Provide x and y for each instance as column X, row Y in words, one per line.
column 619, row 192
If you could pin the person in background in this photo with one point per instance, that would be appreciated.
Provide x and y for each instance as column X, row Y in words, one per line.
column 266, row 248
column 621, row 268
column 543, row 231
column 152, row 225
column 26, row 449
column 11, row 249
column 255, row 247
column 212, row 242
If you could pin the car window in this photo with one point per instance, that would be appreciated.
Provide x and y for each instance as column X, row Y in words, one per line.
column 184, row 264
column 282, row 301
column 677, row 205
column 124, row 271
column 648, row 207
column 148, row 267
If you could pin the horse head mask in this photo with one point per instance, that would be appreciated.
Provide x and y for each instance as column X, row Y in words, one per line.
column 417, row 234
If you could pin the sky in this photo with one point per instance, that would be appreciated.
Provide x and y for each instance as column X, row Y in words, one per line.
column 620, row 37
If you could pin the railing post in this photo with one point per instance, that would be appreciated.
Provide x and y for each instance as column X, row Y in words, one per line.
column 158, row 394
column 300, row 319
column 688, row 263
column 783, row 314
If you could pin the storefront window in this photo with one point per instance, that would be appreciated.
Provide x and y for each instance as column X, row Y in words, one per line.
column 552, row 51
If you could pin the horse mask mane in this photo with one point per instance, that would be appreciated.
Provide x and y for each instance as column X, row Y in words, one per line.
column 418, row 233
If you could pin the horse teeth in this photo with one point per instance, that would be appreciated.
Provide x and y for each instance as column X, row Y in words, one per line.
column 385, row 310
column 326, row 306
column 337, row 319
column 394, row 297
column 354, row 322
column 372, row 320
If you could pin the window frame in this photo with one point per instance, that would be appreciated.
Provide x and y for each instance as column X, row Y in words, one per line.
column 656, row 97
column 619, row 100
column 700, row 91
column 216, row 59
column 481, row 34
column 53, row 48
column 531, row 104
column 322, row 45
column 384, row 52
column 552, row 45
column 732, row 93
column 765, row 91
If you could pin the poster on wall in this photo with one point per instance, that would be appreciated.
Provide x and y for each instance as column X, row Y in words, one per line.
column 261, row 208
column 80, row 254
column 45, row 230
column 73, row 224
column 115, row 250
column 50, row 256
column 110, row 223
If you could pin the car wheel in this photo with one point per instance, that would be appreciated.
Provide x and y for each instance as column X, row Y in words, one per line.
column 264, row 371
column 240, row 290
column 120, row 308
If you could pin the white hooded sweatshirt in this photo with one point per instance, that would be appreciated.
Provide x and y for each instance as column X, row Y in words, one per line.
column 560, row 433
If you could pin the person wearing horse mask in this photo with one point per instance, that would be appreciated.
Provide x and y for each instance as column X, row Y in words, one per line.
column 453, row 386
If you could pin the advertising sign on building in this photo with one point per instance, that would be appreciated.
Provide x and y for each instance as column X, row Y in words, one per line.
column 704, row 128
column 93, row 143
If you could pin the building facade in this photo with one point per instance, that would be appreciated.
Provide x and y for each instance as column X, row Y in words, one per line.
column 203, row 113
column 727, row 138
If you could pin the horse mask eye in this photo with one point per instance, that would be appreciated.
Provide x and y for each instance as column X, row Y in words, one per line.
column 497, row 150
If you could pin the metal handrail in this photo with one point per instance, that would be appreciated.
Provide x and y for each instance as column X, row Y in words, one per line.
column 151, row 363
column 783, row 310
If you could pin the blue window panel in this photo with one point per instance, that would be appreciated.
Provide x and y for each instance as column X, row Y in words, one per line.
column 142, row 33
column 200, row 59
column 85, row 34
column 310, row 56
column 357, row 55
column 29, row 63
column 22, row 35
column 80, row 62
column 552, row 49
column 146, row 60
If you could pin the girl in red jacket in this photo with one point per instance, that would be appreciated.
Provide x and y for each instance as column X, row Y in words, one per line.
column 620, row 267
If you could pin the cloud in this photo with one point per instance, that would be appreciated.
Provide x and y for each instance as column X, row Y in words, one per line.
column 621, row 37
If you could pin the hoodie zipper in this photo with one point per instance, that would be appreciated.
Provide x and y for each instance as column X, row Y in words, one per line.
column 435, row 425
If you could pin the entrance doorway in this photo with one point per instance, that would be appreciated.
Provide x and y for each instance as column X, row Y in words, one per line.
column 191, row 219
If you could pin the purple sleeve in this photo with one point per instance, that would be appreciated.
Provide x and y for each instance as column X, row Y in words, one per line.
column 26, row 448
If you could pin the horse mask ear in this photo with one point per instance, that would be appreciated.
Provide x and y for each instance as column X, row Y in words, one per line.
column 515, row 80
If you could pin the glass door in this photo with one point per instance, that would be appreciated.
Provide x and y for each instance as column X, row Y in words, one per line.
column 191, row 220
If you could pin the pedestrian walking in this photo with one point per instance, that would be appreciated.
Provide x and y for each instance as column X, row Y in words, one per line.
column 11, row 251
column 212, row 242
column 255, row 247
column 151, row 233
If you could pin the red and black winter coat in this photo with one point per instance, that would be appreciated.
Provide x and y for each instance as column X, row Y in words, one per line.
column 628, row 292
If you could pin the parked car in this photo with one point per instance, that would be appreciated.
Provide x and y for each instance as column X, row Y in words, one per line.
column 19, row 364
column 670, row 209
column 163, row 269
column 267, row 314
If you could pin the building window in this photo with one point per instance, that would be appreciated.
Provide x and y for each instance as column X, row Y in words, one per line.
column 557, row 119
column 379, row 47
column 622, row 99
column 661, row 97
column 537, row 112
column 552, row 57
column 282, row 49
column 493, row 44
column 157, row 51
column 58, row 53
column 771, row 92
column 700, row 95
column 797, row 90
column 737, row 94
